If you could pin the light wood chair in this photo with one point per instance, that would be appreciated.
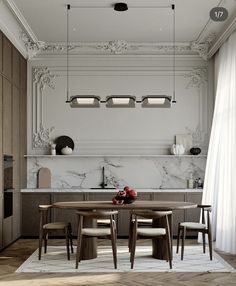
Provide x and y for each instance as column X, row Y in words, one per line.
column 150, row 232
column 45, row 227
column 100, row 232
column 204, row 226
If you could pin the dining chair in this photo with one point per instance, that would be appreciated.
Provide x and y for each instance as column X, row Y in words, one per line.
column 150, row 232
column 45, row 227
column 99, row 232
column 142, row 222
column 204, row 226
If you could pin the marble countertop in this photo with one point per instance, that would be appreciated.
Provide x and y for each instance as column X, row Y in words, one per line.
column 77, row 190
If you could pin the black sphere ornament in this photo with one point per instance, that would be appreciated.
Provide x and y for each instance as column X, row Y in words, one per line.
column 195, row 151
column 121, row 7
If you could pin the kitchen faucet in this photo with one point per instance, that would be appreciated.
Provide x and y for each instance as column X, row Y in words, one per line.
column 103, row 183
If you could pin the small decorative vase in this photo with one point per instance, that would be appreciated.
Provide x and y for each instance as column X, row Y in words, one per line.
column 177, row 149
column 195, row 150
column 53, row 149
column 66, row 150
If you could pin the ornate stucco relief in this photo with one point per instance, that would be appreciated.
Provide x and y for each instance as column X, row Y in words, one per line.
column 41, row 77
column 202, row 47
column 197, row 77
column 114, row 47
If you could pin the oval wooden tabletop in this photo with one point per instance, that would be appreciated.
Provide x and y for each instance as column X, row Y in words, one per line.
column 152, row 205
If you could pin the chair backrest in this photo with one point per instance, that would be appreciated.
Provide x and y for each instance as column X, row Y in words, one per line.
column 205, row 211
column 43, row 209
column 96, row 214
column 151, row 214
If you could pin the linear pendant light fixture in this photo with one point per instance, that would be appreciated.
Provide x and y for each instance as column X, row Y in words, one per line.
column 120, row 101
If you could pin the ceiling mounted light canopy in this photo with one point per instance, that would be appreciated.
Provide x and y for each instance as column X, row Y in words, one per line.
column 124, row 101
column 151, row 101
column 120, row 7
column 89, row 101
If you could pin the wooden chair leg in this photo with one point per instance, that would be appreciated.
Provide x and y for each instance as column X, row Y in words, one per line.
column 67, row 243
column 70, row 237
column 204, row 242
column 168, row 245
column 79, row 242
column 45, row 241
column 130, row 232
column 134, row 240
column 40, row 244
column 178, row 237
column 210, row 244
column 183, row 239
column 113, row 244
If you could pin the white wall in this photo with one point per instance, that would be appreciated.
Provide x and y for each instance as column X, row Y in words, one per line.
column 119, row 131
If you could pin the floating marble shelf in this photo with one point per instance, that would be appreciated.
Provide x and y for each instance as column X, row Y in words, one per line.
column 122, row 155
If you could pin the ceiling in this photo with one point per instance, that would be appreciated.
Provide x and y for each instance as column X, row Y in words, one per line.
column 96, row 21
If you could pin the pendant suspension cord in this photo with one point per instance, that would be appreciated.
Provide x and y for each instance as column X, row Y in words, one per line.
column 67, row 54
column 174, row 53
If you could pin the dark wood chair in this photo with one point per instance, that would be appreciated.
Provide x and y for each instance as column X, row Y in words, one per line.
column 150, row 232
column 204, row 226
column 100, row 232
column 45, row 227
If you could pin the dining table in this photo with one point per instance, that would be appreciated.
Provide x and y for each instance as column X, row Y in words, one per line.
column 89, row 245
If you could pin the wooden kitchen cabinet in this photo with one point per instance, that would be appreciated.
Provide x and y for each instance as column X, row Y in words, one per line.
column 7, row 117
column 7, row 57
column 13, row 136
column 64, row 214
column 30, row 212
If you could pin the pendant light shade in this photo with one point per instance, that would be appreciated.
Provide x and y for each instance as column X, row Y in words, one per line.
column 89, row 101
column 118, row 101
column 151, row 101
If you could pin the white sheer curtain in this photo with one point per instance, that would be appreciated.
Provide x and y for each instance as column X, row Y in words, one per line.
column 220, row 178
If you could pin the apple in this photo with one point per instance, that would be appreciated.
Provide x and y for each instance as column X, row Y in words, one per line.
column 126, row 189
column 133, row 193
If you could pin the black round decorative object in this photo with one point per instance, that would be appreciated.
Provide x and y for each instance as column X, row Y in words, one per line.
column 63, row 141
column 120, row 7
column 195, row 151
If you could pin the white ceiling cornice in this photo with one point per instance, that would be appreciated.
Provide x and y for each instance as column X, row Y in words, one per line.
column 21, row 19
column 207, row 43
column 222, row 38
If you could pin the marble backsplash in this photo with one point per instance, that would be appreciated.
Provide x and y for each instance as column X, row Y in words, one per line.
column 138, row 172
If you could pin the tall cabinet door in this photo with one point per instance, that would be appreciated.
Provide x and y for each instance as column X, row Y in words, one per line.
column 1, row 170
column 16, row 164
column 7, row 117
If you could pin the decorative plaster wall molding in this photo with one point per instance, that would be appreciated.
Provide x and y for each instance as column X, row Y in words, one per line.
column 41, row 138
column 33, row 48
column 41, row 77
column 197, row 77
column 202, row 47
column 115, row 47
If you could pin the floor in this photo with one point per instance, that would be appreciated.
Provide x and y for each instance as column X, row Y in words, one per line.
column 12, row 257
